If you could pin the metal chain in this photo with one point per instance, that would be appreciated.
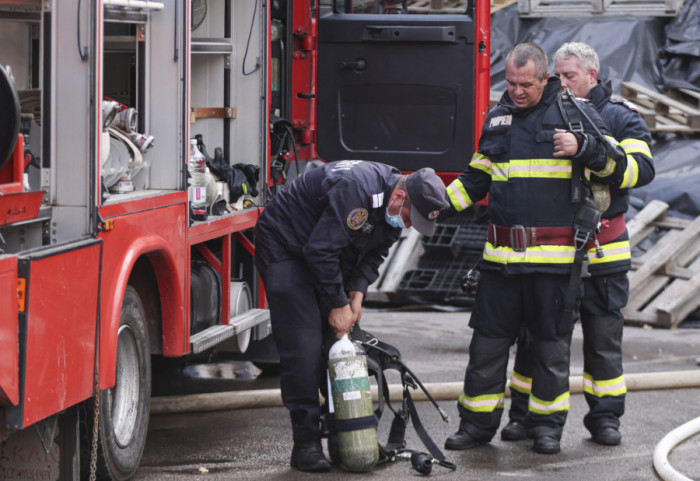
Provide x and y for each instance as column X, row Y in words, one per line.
column 95, row 427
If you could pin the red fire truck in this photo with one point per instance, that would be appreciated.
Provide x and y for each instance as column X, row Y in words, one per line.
column 107, row 259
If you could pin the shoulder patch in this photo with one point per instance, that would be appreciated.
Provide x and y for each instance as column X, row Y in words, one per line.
column 500, row 120
column 357, row 218
column 621, row 101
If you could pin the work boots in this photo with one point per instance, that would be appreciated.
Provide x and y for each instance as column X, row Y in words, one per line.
column 308, row 456
column 607, row 436
column 546, row 445
column 514, row 431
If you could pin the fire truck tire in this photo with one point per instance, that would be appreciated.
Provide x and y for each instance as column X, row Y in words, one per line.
column 123, row 409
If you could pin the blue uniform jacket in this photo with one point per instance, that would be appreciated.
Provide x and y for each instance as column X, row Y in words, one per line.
column 629, row 129
column 333, row 218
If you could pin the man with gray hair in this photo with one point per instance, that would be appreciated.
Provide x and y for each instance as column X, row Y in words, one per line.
column 528, row 162
column 607, row 290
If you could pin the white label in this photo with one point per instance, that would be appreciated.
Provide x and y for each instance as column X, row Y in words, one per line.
column 351, row 395
column 352, row 367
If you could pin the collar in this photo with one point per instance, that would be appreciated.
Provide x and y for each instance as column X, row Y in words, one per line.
column 600, row 94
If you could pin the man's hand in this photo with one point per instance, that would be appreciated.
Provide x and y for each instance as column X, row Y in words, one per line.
column 565, row 143
column 355, row 299
column 341, row 320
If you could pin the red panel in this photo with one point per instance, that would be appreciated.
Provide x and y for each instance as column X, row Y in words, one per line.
column 20, row 206
column 159, row 234
column 60, row 331
column 9, row 370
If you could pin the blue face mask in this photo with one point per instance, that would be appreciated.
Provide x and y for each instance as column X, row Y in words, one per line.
column 394, row 220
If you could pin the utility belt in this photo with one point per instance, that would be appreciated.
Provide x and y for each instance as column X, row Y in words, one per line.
column 519, row 237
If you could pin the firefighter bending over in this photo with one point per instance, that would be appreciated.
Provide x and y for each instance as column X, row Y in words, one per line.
column 606, row 291
column 319, row 245
column 534, row 185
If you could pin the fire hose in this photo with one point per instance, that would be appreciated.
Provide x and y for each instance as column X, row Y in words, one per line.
column 444, row 391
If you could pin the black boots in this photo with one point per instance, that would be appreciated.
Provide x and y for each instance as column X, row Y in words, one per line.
column 308, row 456
column 460, row 440
column 546, row 445
column 608, row 436
column 514, row 431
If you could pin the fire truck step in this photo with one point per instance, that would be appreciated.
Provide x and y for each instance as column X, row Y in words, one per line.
column 214, row 335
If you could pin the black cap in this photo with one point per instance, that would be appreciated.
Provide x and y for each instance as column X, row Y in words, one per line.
column 428, row 197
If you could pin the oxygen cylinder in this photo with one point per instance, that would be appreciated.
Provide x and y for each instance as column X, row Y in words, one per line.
column 352, row 404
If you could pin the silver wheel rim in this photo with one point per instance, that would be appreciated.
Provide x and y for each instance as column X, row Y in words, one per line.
column 125, row 394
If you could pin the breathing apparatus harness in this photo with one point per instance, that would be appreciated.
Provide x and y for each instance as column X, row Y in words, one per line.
column 381, row 357
column 587, row 219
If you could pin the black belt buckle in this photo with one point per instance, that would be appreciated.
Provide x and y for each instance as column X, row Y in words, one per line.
column 518, row 238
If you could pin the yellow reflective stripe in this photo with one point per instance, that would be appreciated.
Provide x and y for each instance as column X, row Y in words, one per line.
column 486, row 403
column 610, row 165
column 458, row 195
column 544, row 254
column 532, row 168
column 609, row 387
column 481, row 162
column 612, row 252
column 631, row 176
column 520, row 383
column 636, row 146
column 539, row 406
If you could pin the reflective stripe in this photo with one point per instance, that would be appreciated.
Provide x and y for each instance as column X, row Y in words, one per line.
column 481, row 162
column 538, row 406
column 631, row 176
column 486, row 403
column 458, row 195
column 520, row 383
column 544, row 254
column 636, row 146
column 610, row 165
column 532, row 168
column 612, row 252
column 610, row 387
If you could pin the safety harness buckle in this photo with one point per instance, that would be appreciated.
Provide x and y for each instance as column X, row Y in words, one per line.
column 518, row 238
column 581, row 239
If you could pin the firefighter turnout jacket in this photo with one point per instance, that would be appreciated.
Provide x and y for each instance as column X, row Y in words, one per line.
column 629, row 129
column 332, row 217
column 530, row 206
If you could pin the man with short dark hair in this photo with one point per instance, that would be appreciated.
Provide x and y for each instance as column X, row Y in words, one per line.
column 319, row 245
column 607, row 290
column 524, row 165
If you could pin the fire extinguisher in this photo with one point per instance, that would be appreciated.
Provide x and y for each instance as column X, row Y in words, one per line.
column 354, row 419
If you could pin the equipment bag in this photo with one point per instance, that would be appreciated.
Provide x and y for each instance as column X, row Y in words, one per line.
column 381, row 357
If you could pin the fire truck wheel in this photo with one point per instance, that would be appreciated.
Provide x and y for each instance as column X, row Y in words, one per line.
column 124, row 408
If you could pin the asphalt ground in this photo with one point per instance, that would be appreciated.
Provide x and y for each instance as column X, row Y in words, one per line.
column 255, row 444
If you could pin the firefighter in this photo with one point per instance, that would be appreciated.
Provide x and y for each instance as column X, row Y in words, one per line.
column 319, row 245
column 525, row 165
column 607, row 290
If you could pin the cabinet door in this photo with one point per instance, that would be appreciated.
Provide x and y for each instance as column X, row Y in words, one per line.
column 57, row 330
column 397, row 89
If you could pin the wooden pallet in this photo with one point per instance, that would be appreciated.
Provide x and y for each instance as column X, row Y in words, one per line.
column 563, row 8
column 665, row 280
column 437, row 6
column 664, row 113
column 450, row 6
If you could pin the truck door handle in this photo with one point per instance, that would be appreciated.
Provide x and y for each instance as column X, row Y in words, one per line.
column 359, row 64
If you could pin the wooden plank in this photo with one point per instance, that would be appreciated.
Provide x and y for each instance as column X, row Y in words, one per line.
column 679, row 299
column 212, row 113
column 664, row 250
column 642, row 294
column 643, row 218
